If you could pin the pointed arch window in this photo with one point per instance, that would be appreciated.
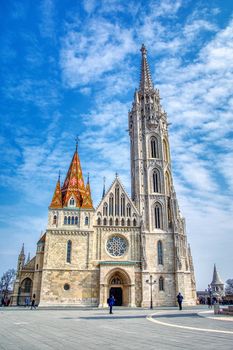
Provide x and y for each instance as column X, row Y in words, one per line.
column 161, row 283
column 110, row 222
column 128, row 222
column 134, row 222
column 76, row 220
column 128, row 210
column 111, row 204
column 105, row 209
column 165, row 151
column 68, row 220
column 122, row 222
column 27, row 284
column 117, row 222
column 86, row 220
column 156, row 181
column 72, row 220
column 154, row 147
column 99, row 221
column 68, row 251
column 167, row 184
column 54, row 219
column 122, row 204
column 65, row 220
column 158, row 215
column 117, row 200
column 160, row 252
column 105, row 221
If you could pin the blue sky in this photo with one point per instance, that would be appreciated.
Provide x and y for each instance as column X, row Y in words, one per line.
column 70, row 68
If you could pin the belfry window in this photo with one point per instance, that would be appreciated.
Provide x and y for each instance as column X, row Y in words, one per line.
column 68, row 251
column 72, row 220
column 158, row 216
column 68, row 220
column 161, row 283
column 154, row 147
column 76, row 220
column 65, row 220
column 160, row 253
column 156, row 181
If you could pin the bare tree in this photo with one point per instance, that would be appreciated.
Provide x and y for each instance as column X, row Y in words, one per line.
column 229, row 286
column 6, row 281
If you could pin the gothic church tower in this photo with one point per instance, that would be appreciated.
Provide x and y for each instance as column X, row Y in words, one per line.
column 165, row 253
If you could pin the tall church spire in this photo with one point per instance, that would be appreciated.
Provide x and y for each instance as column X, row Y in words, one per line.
column 145, row 80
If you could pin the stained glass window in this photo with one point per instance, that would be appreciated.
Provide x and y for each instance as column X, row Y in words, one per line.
column 116, row 246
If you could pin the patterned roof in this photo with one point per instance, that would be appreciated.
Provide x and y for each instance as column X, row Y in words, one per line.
column 57, row 197
column 73, row 186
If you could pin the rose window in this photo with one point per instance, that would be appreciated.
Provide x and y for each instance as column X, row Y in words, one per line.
column 116, row 246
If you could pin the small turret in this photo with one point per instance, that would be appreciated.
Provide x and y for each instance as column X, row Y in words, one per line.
column 21, row 260
column 217, row 284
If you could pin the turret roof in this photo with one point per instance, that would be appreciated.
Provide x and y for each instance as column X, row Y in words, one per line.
column 216, row 277
column 57, row 196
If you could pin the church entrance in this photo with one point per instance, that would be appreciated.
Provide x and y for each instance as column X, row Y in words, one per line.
column 118, row 286
column 117, row 293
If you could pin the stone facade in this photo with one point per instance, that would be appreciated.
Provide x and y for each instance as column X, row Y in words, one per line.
column 87, row 254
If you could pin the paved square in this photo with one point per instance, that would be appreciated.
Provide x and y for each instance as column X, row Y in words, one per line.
column 125, row 329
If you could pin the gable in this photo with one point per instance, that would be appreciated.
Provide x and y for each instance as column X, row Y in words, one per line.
column 116, row 207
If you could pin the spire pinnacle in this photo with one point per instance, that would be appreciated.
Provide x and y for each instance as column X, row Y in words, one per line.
column 22, row 250
column 57, row 196
column 145, row 80
column 104, row 179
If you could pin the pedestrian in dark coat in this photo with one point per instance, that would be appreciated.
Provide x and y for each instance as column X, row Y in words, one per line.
column 111, row 302
column 179, row 300
column 33, row 306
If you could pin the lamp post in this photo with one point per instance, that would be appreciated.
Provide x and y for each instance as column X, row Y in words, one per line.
column 151, row 283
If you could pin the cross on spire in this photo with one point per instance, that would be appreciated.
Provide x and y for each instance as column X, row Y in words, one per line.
column 77, row 141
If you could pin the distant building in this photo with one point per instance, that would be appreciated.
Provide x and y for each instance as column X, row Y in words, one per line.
column 217, row 286
column 87, row 253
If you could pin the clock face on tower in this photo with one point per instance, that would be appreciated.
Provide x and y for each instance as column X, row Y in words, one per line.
column 116, row 246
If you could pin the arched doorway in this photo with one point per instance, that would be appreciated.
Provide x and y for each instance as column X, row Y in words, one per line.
column 116, row 289
column 119, row 287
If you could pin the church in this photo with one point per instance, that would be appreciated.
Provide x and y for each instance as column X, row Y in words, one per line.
column 125, row 244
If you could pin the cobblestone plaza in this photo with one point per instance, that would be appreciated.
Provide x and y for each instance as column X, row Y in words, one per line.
column 167, row 328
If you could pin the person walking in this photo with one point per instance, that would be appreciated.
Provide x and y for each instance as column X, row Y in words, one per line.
column 179, row 300
column 33, row 306
column 111, row 302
